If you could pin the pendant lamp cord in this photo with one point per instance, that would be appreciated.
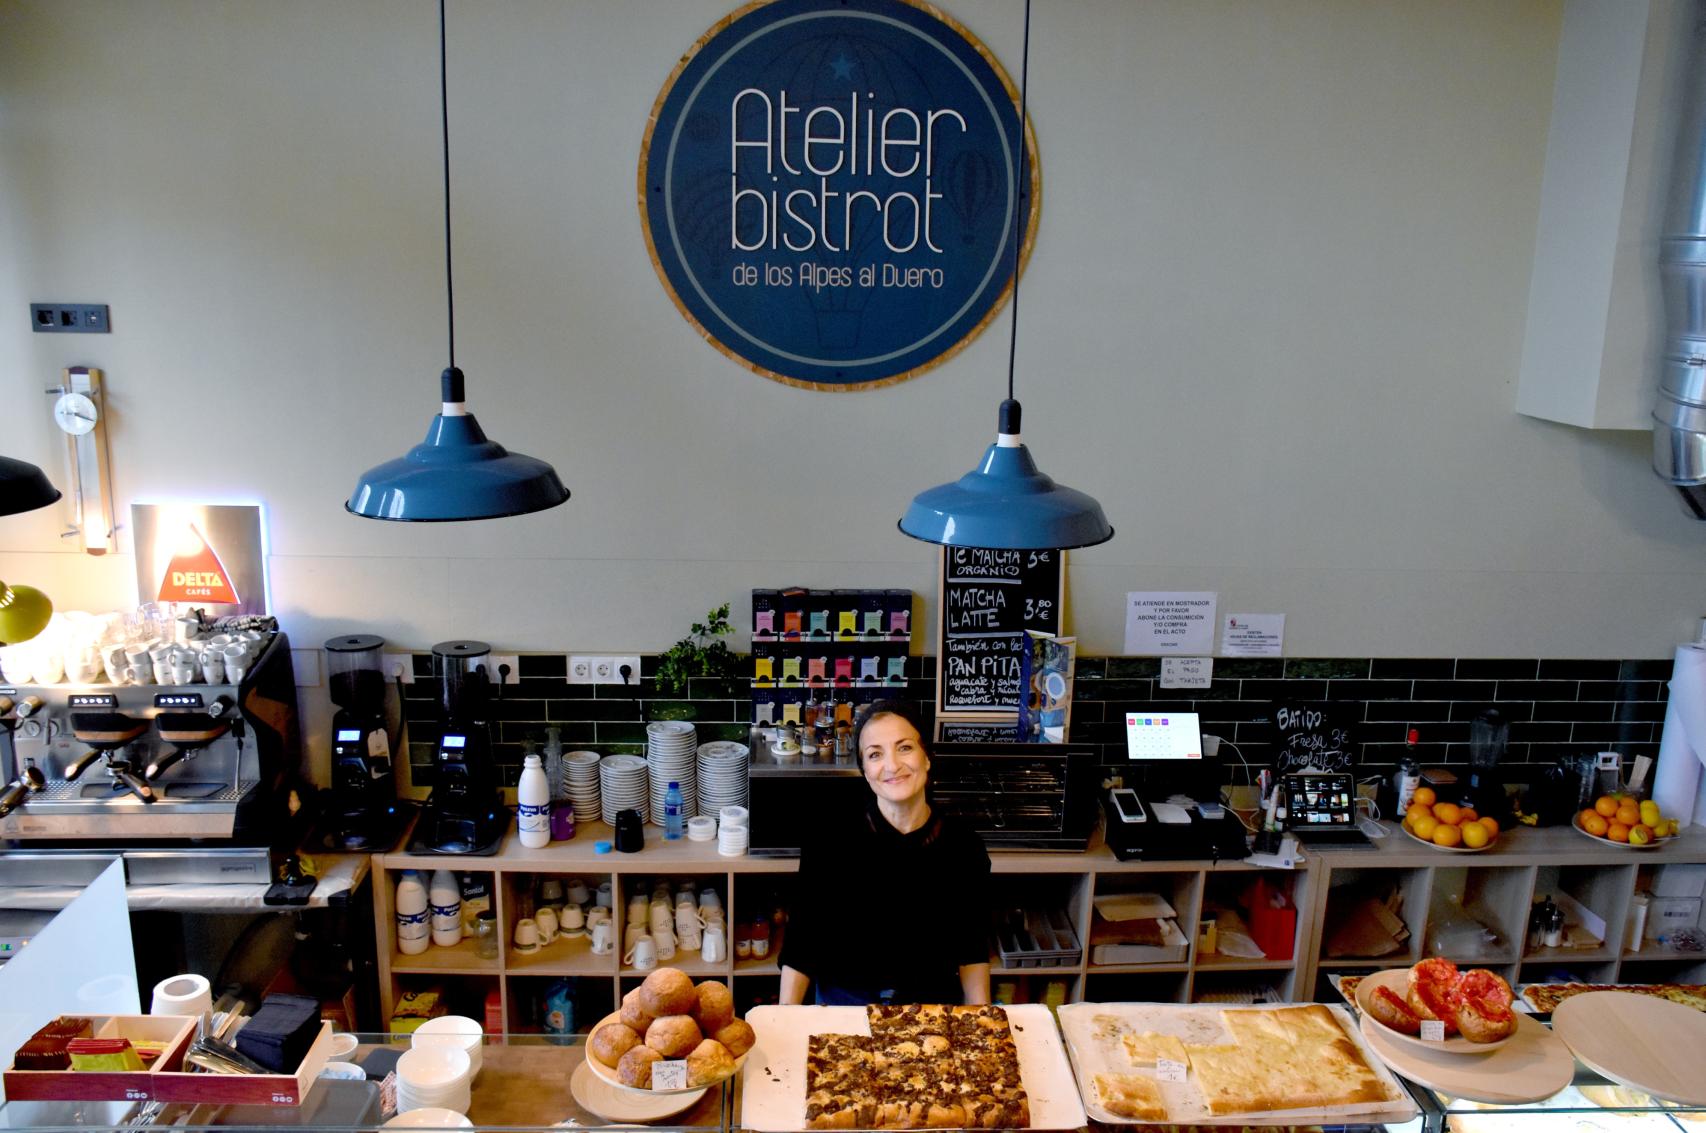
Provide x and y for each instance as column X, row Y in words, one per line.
column 1021, row 214
column 444, row 119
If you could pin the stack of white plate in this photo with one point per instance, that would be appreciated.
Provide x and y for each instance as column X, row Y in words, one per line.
column 723, row 768
column 431, row 1119
column 434, row 1076
column 670, row 748
column 622, row 786
column 456, row 1031
column 580, row 784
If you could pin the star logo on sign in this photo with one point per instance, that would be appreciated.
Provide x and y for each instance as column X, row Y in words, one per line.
column 842, row 66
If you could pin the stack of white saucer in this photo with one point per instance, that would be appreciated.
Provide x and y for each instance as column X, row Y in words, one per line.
column 732, row 834
column 580, row 785
column 456, row 1031
column 434, row 1076
column 622, row 786
column 722, row 775
column 671, row 750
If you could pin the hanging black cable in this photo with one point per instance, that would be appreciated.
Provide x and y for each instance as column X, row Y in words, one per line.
column 1022, row 191
column 444, row 120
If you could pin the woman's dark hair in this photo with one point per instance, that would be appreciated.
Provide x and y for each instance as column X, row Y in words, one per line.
column 891, row 708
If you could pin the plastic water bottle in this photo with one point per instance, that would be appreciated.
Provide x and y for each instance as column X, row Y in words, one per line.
column 414, row 933
column 533, row 814
column 445, row 898
column 672, row 811
column 553, row 762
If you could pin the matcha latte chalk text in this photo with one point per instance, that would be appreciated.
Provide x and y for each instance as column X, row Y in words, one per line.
column 796, row 151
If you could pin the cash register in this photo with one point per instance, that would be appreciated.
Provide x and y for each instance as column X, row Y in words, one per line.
column 1165, row 752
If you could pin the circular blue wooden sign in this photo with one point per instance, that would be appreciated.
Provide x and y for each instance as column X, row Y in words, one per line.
column 829, row 188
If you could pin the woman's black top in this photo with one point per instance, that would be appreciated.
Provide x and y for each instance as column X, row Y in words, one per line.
column 885, row 916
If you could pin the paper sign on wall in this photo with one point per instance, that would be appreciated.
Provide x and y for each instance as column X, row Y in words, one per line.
column 1169, row 621
column 1253, row 635
column 1187, row 672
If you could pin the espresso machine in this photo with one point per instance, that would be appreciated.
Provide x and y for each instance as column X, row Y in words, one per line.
column 361, row 811
column 189, row 781
column 465, row 813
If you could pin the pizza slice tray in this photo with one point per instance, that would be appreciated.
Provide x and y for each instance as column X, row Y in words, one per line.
column 1532, row 1066
column 1093, row 1044
column 773, row 1081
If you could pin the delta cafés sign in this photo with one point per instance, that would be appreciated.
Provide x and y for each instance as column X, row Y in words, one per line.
column 827, row 189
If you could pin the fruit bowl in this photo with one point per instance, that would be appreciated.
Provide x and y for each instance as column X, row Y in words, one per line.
column 1576, row 823
column 1432, row 845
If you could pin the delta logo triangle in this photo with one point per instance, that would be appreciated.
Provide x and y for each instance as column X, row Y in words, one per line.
column 195, row 574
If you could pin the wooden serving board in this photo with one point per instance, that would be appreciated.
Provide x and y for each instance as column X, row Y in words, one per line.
column 1533, row 1065
column 1650, row 1044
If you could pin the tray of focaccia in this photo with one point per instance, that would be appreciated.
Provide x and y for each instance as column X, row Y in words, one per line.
column 1144, row 1063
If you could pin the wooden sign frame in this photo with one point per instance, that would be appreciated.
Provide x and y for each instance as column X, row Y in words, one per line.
column 944, row 711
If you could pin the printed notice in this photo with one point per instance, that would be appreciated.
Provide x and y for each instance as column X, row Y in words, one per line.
column 1180, row 622
column 1253, row 635
column 1187, row 672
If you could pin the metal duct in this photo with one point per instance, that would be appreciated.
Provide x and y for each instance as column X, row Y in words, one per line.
column 1679, row 431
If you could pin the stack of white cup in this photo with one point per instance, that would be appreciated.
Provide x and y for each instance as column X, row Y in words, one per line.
column 434, row 1076
column 732, row 834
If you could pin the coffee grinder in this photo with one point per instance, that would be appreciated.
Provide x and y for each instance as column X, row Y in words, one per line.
column 362, row 811
column 1489, row 735
column 465, row 814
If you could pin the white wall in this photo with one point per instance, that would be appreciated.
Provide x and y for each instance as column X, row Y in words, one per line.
column 1273, row 322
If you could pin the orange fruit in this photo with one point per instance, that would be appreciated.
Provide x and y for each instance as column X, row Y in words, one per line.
column 1587, row 814
column 1605, row 805
column 1491, row 823
column 1596, row 824
column 1474, row 835
column 1628, row 816
column 1424, row 827
column 1417, row 810
column 1467, row 814
column 1640, row 834
column 1425, row 796
column 1447, row 813
column 1618, row 832
column 1446, row 834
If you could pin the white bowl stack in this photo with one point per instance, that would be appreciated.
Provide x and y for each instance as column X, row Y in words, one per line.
column 458, row 1032
column 434, row 1077
column 429, row 1117
column 723, row 766
column 580, row 784
column 622, row 786
column 732, row 834
column 671, row 747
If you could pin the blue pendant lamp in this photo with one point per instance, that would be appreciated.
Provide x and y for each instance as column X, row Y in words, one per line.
column 1007, row 501
column 457, row 472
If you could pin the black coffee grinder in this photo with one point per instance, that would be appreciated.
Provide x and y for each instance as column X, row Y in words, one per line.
column 362, row 811
column 1489, row 736
column 465, row 814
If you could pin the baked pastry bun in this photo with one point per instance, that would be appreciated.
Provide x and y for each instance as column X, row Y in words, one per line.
column 1389, row 1008
column 1433, row 992
column 611, row 1041
column 737, row 1036
column 673, row 1036
column 716, row 1006
column 633, row 1014
column 668, row 991
column 635, row 1069
column 709, row 1062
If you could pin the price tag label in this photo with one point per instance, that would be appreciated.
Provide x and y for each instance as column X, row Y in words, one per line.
column 670, row 1074
column 1169, row 1070
column 1433, row 1030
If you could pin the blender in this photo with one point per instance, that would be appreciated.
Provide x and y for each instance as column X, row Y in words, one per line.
column 363, row 812
column 465, row 814
column 1489, row 735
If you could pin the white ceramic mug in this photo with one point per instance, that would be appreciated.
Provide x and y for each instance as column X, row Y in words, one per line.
column 571, row 920
column 715, row 948
column 546, row 921
column 604, row 894
column 138, row 667
column 631, row 936
column 597, row 915
column 662, row 919
column 643, row 953
column 708, row 899
column 603, row 938
column 161, row 656
column 578, row 893
column 665, row 944
column 526, row 935
column 213, row 668
column 689, row 937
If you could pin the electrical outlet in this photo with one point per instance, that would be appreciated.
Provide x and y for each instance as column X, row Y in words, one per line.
column 398, row 665
column 69, row 318
column 633, row 664
column 495, row 664
column 602, row 669
column 580, row 670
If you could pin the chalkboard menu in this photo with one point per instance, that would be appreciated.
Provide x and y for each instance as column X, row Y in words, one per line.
column 987, row 600
column 1312, row 737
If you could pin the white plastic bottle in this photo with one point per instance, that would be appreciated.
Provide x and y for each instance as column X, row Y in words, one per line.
column 414, row 933
column 533, row 814
column 445, row 897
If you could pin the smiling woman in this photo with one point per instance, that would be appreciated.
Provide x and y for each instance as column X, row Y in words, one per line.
column 894, row 900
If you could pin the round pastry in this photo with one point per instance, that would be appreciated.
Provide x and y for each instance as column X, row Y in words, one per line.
column 709, row 1062
column 633, row 1014
column 1388, row 1007
column 1483, row 1013
column 716, row 1007
column 668, row 991
column 1479, row 983
column 611, row 1041
column 673, row 1035
column 635, row 1069
column 737, row 1036
column 1433, row 992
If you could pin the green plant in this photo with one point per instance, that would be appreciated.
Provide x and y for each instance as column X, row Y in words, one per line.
column 702, row 653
